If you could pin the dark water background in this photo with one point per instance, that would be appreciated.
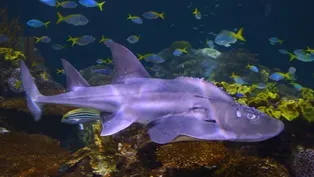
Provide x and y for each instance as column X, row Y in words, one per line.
column 289, row 20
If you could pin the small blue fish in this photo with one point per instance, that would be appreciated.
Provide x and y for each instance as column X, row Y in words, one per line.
column 44, row 39
column 85, row 40
column 135, row 19
column 153, row 15
column 37, row 23
column 237, row 79
column 78, row 116
column 107, row 72
column 274, row 40
column 296, row 86
column 104, row 61
column 252, row 68
column 225, row 38
column 299, row 52
column 197, row 14
column 74, row 19
column 51, row 3
column 283, row 51
column 105, row 40
column 57, row 46
column 260, row 85
column 277, row 76
column 3, row 38
column 67, row 4
column 92, row 3
column 240, row 95
column 133, row 39
column 179, row 52
column 154, row 58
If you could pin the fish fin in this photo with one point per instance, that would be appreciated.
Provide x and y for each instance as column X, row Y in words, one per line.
column 100, row 5
column 102, row 39
column 37, row 39
column 161, row 15
column 292, row 56
column 46, row 24
column 73, row 78
column 58, row 4
column 239, row 35
column 31, row 91
column 166, row 129
column 73, row 40
column 116, row 122
column 60, row 18
column 127, row 65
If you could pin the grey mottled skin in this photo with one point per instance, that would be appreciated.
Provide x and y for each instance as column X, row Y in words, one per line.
column 174, row 110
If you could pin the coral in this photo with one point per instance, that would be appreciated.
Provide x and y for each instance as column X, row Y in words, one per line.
column 307, row 109
column 208, row 52
column 289, row 109
column 191, row 155
column 245, row 166
column 307, row 94
column 302, row 162
column 272, row 111
column 30, row 155
column 271, row 102
column 100, row 163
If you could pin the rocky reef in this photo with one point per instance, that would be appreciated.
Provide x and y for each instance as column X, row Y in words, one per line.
column 30, row 155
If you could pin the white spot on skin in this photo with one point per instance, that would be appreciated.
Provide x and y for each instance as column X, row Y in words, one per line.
column 239, row 114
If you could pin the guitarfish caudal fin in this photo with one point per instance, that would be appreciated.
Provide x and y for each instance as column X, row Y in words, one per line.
column 31, row 91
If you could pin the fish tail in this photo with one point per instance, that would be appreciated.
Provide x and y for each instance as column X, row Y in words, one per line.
column 129, row 17
column 140, row 56
column 239, row 35
column 60, row 18
column 292, row 57
column 73, row 40
column 280, row 41
column 37, row 39
column 58, row 4
column 102, row 39
column 100, row 5
column 46, row 24
column 161, row 15
column 31, row 91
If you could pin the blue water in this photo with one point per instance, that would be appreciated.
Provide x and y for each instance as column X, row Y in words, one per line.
column 288, row 20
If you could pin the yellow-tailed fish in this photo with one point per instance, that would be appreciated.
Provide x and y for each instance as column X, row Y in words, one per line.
column 153, row 15
column 197, row 14
column 92, row 3
column 73, row 19
column 179, row 51
column 135, row 19
column 44, row 39
column 60, row 71
column 104, row 40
